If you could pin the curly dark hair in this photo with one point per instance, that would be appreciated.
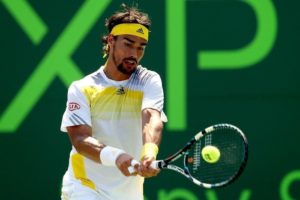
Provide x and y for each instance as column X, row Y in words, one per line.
column 127, row 15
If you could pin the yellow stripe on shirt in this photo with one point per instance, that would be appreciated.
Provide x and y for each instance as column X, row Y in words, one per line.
column 106, row 100
column 79, row 170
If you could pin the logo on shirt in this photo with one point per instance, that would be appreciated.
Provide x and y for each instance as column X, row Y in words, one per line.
column 74, row 106
column 120, row 90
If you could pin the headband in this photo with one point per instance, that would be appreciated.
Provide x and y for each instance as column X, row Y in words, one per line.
column 131, row 29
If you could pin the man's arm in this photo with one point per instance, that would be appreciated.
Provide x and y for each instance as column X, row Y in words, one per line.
column 81, row 138
column 84, row 143
column 152, row 132
column 152, row 126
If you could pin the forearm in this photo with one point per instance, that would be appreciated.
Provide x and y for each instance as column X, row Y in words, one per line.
column 152, row 131
column 86, row 145
column 89, row 147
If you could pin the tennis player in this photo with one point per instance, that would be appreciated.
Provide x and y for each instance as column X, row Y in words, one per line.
column 113, row 116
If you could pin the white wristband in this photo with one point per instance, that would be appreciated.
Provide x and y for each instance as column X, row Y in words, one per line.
column 109, row 155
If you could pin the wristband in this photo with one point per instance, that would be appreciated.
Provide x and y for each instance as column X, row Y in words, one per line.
column 149, row 149
column 109, row 155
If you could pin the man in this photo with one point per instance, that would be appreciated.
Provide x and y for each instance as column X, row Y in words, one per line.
column 113, row 116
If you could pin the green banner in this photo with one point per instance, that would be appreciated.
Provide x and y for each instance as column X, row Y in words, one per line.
column 233, row 61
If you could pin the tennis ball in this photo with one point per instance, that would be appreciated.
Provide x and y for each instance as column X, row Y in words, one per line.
column 210, row 154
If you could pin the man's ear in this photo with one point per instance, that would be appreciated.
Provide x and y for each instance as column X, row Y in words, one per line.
column 110, row 39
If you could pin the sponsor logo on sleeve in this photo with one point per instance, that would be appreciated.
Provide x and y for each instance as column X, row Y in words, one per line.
column 74, row 106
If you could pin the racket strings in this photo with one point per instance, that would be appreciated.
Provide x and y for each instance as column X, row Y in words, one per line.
column 208, row 139
column 196, row 157
column 231, row 146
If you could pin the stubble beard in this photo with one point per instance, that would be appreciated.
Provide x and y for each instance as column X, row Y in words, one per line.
column 121, row 67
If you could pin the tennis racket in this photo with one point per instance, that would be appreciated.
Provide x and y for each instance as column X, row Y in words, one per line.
column 232, row 145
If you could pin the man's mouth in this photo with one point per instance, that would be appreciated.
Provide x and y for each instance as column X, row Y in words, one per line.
column 130, row 61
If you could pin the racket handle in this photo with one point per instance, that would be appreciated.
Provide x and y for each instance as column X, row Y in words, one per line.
column 131, row 169
column 154, row 164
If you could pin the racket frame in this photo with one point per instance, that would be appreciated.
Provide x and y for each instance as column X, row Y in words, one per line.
column 164, row 164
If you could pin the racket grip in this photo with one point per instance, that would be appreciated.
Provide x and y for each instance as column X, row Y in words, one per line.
column 131, row 169
column 154, row 164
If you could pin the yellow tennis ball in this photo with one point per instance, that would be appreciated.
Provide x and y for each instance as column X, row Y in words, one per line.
column 210, row 154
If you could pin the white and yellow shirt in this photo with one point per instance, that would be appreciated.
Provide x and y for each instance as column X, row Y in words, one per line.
column 113, row 110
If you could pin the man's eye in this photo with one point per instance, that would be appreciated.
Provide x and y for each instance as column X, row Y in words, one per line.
column 141, row 48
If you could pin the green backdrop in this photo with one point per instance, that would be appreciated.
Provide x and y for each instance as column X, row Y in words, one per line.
column 220, row 60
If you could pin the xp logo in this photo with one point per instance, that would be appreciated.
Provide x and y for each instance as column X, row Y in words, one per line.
column 73, row 106
column 57, row 61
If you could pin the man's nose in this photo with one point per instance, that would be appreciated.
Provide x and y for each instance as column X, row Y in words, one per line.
column 133, row 53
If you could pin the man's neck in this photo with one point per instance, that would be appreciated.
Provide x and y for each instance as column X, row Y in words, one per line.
column 111, row 72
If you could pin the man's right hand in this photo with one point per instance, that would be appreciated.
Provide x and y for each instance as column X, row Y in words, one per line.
column 123, row 162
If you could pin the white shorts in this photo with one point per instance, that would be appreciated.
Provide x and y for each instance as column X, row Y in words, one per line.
column 72, row 189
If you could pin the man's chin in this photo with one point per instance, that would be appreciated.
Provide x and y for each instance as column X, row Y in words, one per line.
column 128, row 70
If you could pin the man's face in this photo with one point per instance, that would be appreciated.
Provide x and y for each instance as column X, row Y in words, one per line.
column 127, row 51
